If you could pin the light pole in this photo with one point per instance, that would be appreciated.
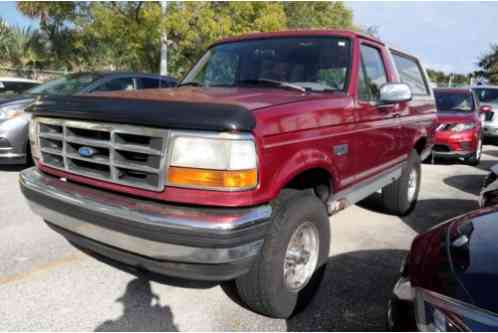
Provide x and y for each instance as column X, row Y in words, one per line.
column 163, row 70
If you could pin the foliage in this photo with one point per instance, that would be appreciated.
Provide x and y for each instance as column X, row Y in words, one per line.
column 488, row 65
column 443, row 79
column 126, row 35
column 310, row 14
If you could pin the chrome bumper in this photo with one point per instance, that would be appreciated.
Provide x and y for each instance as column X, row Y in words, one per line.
column 155, row 230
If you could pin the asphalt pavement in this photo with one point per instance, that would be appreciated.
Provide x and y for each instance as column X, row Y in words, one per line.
column 47, row 285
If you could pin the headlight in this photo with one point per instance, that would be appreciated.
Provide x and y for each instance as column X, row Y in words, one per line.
column 462, row 127
column 212, row 161
column 34, row 139
column 436, row 312
column 11, row 111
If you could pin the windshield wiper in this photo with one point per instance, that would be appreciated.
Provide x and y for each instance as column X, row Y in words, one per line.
column 280, row 84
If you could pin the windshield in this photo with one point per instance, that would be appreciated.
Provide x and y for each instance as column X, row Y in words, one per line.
column 454, row 101
column 487, row 95
column 312, row 63
column 68, row 85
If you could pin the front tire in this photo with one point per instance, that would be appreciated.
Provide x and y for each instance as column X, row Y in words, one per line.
column 400, row 197
column 476, row 157
column 285, row 276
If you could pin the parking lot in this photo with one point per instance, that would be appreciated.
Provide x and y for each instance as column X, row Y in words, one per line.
column 45, row 284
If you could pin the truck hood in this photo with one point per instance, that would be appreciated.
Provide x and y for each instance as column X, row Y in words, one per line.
column 455, row 117
column 215, row 109
column 248, row 98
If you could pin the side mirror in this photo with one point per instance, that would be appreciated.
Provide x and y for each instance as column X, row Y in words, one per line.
column 392, row 93
column 485, row 109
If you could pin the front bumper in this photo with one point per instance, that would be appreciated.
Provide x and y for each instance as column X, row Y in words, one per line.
column 401, row 307
column 181, row 241
column 14, row 140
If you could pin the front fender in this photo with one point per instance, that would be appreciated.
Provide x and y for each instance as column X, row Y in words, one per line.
column 300, row 162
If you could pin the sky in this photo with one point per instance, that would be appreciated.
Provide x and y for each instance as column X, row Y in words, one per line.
column 445, row 36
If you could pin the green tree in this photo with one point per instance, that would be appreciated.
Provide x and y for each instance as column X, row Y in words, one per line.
column 309, row 14
column 5, row 40
column 126, row 35
column 488, row 65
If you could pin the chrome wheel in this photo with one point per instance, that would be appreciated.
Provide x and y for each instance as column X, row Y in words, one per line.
column 301, row 256
column 412, row 184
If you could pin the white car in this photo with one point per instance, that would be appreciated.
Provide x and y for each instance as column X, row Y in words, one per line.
column 488, row 96
column 10, row 86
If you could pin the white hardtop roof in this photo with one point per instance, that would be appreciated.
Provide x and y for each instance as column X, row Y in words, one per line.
column 16, row 79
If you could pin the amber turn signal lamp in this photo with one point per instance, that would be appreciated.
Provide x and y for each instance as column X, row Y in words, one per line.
column 205, row 178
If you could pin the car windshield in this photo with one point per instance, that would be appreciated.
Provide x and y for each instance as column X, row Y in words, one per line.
column 454, row 101
column 13, row 88
column 311, row 63
column 487, row 95
column 68, row 85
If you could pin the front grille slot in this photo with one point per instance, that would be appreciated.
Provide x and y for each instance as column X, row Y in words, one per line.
column 128, row 155
column 53, row 160
column 88, row 134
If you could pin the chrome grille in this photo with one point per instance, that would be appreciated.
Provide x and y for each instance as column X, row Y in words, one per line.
column 122, row 154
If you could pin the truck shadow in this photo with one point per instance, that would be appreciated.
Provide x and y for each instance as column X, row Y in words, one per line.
column 142, row 311
column 354, row 293
column 427, row 212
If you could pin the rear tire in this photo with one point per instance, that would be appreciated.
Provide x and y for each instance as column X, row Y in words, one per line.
column 400, row 197
column 285, row 276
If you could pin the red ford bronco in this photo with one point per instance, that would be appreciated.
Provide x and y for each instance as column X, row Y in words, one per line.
column 233, row 174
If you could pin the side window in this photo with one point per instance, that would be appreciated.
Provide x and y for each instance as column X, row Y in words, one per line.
column 410, row 73
column 372, row 73
column 167, row 83
column 117, row 84
column 148, row 83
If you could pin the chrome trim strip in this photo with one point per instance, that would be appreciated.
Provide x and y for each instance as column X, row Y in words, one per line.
column 466, row 310
column 373, row 170
column 360, row 191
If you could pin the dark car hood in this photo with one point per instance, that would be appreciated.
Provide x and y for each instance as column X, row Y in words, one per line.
column 468, row 272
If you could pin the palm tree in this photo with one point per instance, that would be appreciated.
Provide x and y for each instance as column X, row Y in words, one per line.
column 22, row 49
column 5, row 36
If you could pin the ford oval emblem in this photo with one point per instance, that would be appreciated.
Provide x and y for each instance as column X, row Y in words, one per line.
column 87, row 151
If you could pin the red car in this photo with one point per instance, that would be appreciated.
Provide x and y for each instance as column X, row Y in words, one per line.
column 458, row 133
column 233, row 174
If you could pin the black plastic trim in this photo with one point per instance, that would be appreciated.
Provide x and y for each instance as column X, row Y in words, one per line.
column 153, row 113
column 125, row 261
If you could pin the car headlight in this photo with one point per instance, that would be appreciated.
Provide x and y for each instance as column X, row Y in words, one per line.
column 12, row 110
column 212, row 161
column 34, row 139
column 460, row 127
column 436, row 312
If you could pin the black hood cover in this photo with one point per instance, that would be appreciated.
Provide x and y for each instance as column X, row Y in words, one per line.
column 153, row 113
